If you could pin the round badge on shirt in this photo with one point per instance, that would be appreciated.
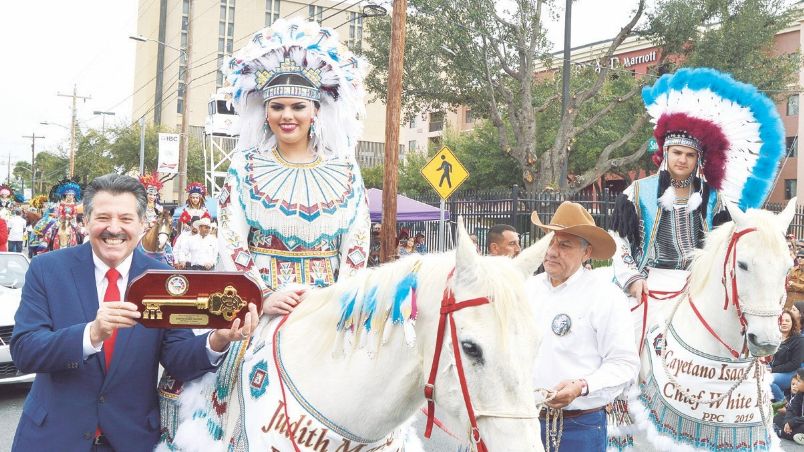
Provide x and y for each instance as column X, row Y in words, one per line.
column 561, row 324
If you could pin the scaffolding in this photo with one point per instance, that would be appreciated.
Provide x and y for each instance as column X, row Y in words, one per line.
column 217, row 157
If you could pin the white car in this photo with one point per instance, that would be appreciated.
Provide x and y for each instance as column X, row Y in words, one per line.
column 13, row 267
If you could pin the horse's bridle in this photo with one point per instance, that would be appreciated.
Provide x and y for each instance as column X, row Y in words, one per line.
column 729, row 281
column 448, row 306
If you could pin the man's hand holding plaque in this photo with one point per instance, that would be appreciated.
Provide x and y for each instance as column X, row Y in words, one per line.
column 220, row 339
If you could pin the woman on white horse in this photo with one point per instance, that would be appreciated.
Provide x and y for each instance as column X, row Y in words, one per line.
column 293, row 210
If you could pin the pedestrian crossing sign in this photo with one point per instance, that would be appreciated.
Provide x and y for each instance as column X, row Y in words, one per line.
column 445, row 172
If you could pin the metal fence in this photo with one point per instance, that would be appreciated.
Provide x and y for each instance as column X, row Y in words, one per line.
column 482, row 210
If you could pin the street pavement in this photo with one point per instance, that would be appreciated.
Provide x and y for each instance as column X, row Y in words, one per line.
column 13, row 396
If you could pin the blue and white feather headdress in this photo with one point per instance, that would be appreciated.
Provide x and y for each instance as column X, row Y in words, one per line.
column 332, row 76
column 738, row 131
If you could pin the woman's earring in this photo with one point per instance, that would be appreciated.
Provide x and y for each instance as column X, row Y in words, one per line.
column 315, row 134
column 312, row 128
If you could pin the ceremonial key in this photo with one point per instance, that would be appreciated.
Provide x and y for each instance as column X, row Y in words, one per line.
column 192, row 299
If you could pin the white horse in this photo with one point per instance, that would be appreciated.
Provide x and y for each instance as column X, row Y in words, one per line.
column 702, row 385
column 357, row 356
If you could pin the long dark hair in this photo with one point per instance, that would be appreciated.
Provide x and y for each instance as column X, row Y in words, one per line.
column 795, row 323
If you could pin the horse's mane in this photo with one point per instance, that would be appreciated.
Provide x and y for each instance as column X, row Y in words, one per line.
column 708, row 261
column 364, row 301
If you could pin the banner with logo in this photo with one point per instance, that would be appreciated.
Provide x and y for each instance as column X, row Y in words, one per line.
column 168, row 153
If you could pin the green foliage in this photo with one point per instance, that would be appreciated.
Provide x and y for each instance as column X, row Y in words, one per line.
column 733, row 36
column 478, row 151
column 372, row 177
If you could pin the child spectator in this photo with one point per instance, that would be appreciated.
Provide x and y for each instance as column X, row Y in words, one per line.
column 790, row 424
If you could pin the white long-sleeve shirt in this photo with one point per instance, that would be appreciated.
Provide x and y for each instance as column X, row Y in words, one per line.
column 599, row 345
column 203, row 250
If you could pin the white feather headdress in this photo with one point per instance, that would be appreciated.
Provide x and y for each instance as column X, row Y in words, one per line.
column 294, row 47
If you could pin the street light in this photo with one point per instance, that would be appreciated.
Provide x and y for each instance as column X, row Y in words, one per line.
column 103, row 115
column 183, row 144
column 141, row 38
column 46, row 123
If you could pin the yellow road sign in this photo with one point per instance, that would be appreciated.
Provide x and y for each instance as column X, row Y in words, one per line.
column 445, row 172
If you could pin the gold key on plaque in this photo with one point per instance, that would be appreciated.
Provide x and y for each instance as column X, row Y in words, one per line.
column 226, row 304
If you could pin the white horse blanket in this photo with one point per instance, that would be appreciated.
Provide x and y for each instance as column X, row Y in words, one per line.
column 673, row 421
column 263, row 418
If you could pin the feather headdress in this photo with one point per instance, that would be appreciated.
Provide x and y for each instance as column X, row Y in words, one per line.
column 5, row 190
column 197, row 187
column 65, row 186
column 738, row 131
column 151, row 183
column 329, row 74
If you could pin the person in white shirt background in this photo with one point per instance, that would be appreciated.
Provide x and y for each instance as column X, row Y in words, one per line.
column 585, row 355
column 202, row 248
column 16, row 231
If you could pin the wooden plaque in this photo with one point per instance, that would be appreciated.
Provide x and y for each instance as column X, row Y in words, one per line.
column 192, row 298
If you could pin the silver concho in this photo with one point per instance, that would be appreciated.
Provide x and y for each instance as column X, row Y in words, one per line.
column 561, row 324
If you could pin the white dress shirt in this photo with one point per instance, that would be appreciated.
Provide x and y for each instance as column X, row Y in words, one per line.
column 599, row 345
column 180, row 252
column 101, row 283
column 203, row 250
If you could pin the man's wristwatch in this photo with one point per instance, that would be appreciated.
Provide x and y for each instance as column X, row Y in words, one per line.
column 584, row 387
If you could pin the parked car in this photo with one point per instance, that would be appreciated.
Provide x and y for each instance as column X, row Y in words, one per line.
column 13, row 267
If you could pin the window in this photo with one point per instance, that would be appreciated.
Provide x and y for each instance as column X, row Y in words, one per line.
column 470, row 118
column 355, row 31
column 315, row 13
column 792, row 105
column 789, row 188
column 411, row 145
column 412, row 122
column 436, row 121
column 271, row 11
column 791, row 146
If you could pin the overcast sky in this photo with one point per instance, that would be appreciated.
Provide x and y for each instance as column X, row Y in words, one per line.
column 51, row 45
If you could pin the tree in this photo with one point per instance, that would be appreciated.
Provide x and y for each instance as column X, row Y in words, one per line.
column 489, row 55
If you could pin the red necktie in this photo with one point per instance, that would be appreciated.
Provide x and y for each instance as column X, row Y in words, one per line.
column 112, row 294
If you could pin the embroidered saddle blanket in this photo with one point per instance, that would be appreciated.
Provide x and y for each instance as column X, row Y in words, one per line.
column 263, row 419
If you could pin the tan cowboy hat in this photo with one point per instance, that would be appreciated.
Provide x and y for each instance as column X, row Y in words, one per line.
column 572, row 218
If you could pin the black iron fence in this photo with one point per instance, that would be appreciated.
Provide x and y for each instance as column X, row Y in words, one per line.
column 482, row 210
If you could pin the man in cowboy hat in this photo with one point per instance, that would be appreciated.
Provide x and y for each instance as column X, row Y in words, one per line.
column 203, row 247
column 587, row 353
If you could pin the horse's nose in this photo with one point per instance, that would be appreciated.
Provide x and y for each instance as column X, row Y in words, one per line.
column 752, row 337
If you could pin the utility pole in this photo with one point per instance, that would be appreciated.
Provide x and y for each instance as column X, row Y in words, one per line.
column 33, row 138
column 185, row 111
column 565, row 82
column 396, row 61
column 73, row 124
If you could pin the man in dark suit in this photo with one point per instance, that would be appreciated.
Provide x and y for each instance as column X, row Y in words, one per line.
column 95, row 388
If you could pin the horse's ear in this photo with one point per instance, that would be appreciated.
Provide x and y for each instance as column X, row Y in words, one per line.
column 532, row 257
column 736, row 214
column 786, row 216
column 465, row 255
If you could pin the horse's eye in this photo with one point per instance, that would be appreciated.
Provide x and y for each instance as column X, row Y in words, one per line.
column 742, row 265
column 473, row 351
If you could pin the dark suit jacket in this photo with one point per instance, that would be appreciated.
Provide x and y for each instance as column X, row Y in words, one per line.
column 70, row 397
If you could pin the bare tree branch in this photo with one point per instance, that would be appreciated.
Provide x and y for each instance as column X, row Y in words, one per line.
column 604, row 163
column 605, row 110
column 583, row 96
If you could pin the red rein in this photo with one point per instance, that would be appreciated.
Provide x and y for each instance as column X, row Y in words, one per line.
column 448, row 306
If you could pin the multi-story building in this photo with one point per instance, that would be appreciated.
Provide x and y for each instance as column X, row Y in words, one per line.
column 212, row 30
